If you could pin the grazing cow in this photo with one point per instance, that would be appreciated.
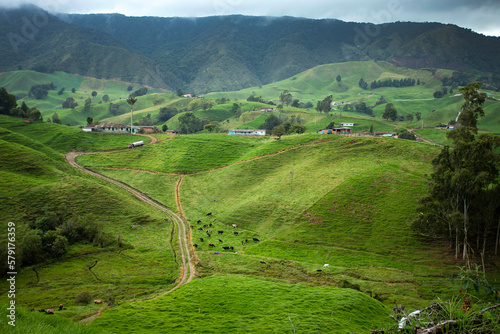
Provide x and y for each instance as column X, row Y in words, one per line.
column 60, row 307
column 220, row 240
column 97, row 301
column 209, row 214
column 199, row 221
column 209, row 231
column 225, row 247
column 191, row 226
column 231, row 247
column 262, row 262
column 49, row 311
column 200, row 229
column 201, row 239
column 41, row 310
column 195, row 245
column 246, row 240
column 242, row 242
column 319, row 270
column 326, row 265
column 205, row 226
column 211, row 245
column 210, row 224
column 208, row 234
column 234, row 225
column 133, row 227
column 255, row 239
column 220, row 232
column 235, row 233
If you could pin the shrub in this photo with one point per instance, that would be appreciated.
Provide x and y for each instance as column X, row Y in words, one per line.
column 83, row 298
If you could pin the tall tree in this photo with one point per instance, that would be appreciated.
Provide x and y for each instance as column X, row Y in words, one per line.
column 390, row 112
column 7, row 101
column 131, row 101
column 463, row 198
column 286, row 98
column 325, row 105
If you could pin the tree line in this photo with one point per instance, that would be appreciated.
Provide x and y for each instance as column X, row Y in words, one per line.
column 8, row 106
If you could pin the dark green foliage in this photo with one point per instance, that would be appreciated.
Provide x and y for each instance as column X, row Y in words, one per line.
column 140, row 92
column 32, row 248
column 390, row 112
column 179, row 92
column 471, row 108
column 94, row 93
column 73, row 90
column 113, row 108
column 39, row 92
column 338, row 78
column 189, row 123
column 330, row 125
column 69, row 103
column 166, row 113
column 279, row 131
column 61, row 91
column 363, row 84
column 55, row 119
column 90, row 120
column 88, row 103
column 105, row 98
column 164, row 128
column 324, row 105
column 7, row 102
column 408, row 82
column 286, row 98
column 297, row 128
column 83, row 298
column 270, row 123
column 254, row 98
column 405, row 134
column 362, row 108
column 145, row 120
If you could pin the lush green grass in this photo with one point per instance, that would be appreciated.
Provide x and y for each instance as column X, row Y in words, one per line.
column 195, row 153
column 63, row 139
column 36, row 322
column 34, row 178
column 247, row 305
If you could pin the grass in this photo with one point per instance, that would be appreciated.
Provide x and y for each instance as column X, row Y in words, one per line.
column 247, row 304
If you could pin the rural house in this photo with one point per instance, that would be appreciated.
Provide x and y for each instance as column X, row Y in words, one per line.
column 335, row 131
column 247, row 132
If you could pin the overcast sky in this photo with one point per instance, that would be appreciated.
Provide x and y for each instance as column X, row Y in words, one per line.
column 479, row 15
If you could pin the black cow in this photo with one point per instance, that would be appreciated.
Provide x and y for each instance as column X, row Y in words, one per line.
column 200, row 229
column 242, row 242
column 246, row 240
column 208, row 234
column 195, row 245
column 220, row 232
column 220, row 240
column 225, row 247
column 201, row 239
column 231, row 247
column 210, row 224
column 262, row 262
column 60, row 307
column 205, row 226
column 211, row 245
column 191, row 226
column 255, row 239
column 199, row 221
column 235, row 233
column 209, row 214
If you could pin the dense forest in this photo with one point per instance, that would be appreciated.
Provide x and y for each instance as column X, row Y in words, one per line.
column 227, row 52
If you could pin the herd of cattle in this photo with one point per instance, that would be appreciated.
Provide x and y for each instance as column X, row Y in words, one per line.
column 219, row 232
column 60, row 308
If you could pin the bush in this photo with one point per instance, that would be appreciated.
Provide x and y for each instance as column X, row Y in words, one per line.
column 83, row 298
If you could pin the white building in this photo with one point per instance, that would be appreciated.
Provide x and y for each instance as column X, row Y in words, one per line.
column 247, row 132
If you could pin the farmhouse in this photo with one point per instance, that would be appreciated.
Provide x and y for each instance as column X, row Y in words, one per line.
column 267, row 109
column 115, row 128
column 247, row 132
column 335, row 131
column 171, row 132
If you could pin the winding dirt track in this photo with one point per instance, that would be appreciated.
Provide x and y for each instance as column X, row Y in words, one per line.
column 187, row 267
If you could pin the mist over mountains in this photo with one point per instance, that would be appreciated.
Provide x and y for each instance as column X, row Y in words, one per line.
column 223, row 53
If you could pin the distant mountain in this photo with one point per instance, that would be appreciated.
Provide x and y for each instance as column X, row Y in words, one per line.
column 233, row 52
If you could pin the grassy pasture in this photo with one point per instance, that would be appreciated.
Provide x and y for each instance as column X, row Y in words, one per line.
column 63, row 139
column 247, row 305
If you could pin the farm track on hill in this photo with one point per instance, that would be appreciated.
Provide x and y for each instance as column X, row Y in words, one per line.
column 187, row 267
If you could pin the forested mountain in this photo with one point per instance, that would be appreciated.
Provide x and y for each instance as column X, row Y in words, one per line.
column 233, row 52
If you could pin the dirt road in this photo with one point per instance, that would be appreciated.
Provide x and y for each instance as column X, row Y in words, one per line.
column 187, row 267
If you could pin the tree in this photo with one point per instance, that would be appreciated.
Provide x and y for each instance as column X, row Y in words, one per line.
column 297, row 128
column 410, row 117
column 271, row 122
column 296, row 103
column 189, row 123
column 286, row 98
column 105, row 98
column 236, row 109
column 339, row 78
column 131, row 101
column 69, row 103
column 390, row 112
column 179, row 92
column 206, row 104
column 55, row 118
column 363, row 84
column 88, row 103
column 94, row 93
column 61, row 91
column 164, row 128
column 462, row 203
column 210, row 127
column 418, row 115
column 279, row 131
column 195, row 103
column 325, row 105
column 73, row 90
column 7, row 101
column 330, row 125
column 166, row 113
column 405, row 134
column 90, row 120
column 113, row 108
column 371, row 128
